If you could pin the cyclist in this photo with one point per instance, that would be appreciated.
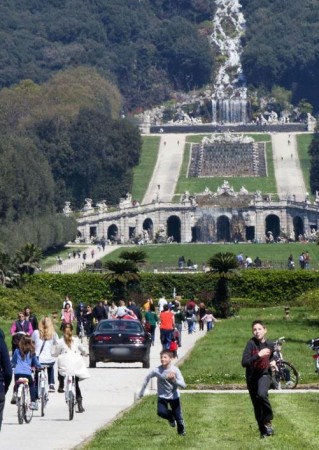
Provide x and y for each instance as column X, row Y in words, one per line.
column 69, row 351
column 44, row 338
column 23, row 360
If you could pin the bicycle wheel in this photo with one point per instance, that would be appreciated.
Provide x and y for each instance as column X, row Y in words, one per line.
column 287, row 377
column 43, row 401
column 20, row 405
column 28, row 412
column 71, row 402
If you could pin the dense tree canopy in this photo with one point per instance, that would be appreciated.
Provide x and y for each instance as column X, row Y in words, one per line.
column 60, row 140
column 117, row 36
column 284, row 50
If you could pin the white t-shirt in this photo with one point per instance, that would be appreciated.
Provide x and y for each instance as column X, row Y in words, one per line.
column 162, row 301
column 45, row 357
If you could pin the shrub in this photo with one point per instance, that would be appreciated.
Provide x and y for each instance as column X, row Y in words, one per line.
column 309, row 299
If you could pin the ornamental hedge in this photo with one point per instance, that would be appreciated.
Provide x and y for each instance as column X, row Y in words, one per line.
column 267, row 287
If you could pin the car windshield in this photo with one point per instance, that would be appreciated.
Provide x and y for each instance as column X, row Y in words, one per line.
column 120, row 325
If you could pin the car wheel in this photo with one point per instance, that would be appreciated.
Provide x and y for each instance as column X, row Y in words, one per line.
column 146, row 363
column 92, row 363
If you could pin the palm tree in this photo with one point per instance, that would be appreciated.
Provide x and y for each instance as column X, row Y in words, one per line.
column 223, row 265
column 121, row 274
column 137, row 256
column 27, row 259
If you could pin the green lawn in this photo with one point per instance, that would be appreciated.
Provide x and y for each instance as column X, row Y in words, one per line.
column 215, row 360
column 196, row 185
column 166, row 255
column 215, row 421
column 143, row 172
column 303, row 142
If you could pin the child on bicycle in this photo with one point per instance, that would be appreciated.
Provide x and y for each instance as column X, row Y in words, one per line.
column 169, row 378
column 23, row 360
column 69, row 351
column 258, row 360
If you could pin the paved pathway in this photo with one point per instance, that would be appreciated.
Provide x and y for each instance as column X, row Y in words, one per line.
column 167, row 168
column 288, row 173
column 74, row 265
column 109, row 391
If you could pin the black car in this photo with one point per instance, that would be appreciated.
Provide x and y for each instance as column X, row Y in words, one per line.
column 120, row 340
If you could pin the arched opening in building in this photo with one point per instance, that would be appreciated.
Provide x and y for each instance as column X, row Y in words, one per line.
column 131, row 232
column 93, row 231
column 79, row 235
column 148, row 226
column 298, row 227
column 223, row 229
column 250, row 233
column 112, row 233
column 174, row 228
column 272, row 227
column 195, row 233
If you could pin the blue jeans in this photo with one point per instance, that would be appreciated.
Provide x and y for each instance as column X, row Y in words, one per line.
column 210, row 326
column 172, row 413
column 166, row 338
column 191, row 325
column 179, row 327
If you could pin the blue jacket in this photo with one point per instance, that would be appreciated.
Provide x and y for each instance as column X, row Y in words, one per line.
column 23, row 366
column 5, row 366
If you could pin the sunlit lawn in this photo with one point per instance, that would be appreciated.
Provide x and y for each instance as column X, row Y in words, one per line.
column 143, row 172
column 215, row 421
column 166, row 255
column 215, row 360
column 303, row 141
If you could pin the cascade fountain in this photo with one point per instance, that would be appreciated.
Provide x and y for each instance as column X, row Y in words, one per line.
column 229, row 98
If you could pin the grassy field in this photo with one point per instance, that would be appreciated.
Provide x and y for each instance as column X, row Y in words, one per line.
column 195, row 185
column 215, row 421
column 166, row 255
column 303, row 142
column 226, row 421
column 215, row 361
column 143, row 172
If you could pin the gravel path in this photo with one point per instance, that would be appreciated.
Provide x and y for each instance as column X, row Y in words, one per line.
column 288, row 173
column 167, row 168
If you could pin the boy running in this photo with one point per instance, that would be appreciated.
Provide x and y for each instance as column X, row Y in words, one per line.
column 169, row 378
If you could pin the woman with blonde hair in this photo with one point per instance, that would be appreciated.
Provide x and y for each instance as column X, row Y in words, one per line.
column 44, row 338
column 69, row 351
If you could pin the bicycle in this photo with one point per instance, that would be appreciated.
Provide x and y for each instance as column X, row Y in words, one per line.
column 70, row 398
column 285, row 376
column 25, row 413
column 314, row 345
column 43, row 388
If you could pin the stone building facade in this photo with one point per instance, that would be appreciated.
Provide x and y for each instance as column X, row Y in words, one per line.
column 222, row 216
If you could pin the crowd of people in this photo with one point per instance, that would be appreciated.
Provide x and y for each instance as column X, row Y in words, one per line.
column 36, row 342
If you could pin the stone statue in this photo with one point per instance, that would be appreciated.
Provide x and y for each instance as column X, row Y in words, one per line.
column 243, row 191
column 67, row 208
column 88, row 204
column 102, row 206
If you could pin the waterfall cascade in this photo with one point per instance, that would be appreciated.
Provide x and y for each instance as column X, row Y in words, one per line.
column 229, row 99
